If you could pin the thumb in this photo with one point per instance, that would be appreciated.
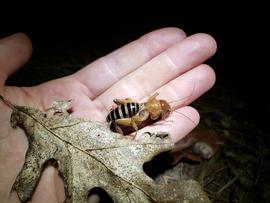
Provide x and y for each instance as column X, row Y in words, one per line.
column 15, row 50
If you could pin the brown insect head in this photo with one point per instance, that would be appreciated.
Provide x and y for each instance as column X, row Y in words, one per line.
column 157, row 108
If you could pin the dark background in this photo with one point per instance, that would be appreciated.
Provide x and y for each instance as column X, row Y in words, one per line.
column 240, row 32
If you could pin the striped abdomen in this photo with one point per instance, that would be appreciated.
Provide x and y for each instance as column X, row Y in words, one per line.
column 123, row 111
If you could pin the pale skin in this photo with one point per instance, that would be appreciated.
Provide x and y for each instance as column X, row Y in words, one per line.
column 164, row 61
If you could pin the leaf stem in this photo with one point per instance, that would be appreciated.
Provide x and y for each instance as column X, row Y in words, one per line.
column 8, row 103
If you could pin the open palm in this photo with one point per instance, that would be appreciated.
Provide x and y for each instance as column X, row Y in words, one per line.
column 163, row 61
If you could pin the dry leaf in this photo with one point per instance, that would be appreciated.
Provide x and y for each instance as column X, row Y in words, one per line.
column 89, row 155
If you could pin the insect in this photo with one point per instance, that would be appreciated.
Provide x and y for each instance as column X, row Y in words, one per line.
column 130, row 113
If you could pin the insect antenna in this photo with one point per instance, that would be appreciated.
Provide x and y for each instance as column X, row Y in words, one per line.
column 186, row 97
column 8, row 103
column 184, row 115
column 178, row 100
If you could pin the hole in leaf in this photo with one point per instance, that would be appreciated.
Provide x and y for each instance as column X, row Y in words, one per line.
column 50, row 162
column 98, row 195
column 158, row 165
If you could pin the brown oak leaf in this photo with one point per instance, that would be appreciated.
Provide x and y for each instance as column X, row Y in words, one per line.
column 89, row 155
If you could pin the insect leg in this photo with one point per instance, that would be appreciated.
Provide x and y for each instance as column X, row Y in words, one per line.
column 124, row 121
column 155, row 116
column 151, row 98
column 134, row 121
column 138, row 119
column 123, row 101
column 129, row 122
column 117, row 128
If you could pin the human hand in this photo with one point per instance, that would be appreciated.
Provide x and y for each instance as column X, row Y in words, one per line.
column 164, row 61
